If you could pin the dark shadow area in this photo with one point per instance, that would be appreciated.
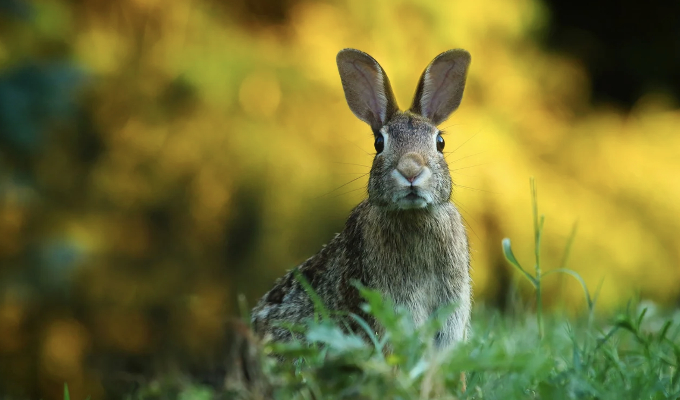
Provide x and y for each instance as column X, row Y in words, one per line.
column 628, row 47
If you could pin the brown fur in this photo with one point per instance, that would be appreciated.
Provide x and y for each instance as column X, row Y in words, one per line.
column 406, row 240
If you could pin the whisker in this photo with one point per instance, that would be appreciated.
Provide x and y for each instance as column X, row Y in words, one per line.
column 349, row 191
column 467, row 224
column 461, row 145
column 471, row 188
column 464, row 209
column 464, row 220
column 360, row 148
column 342, row 186
column 449, row 126
column 469, row 166
column 358, row 165
column 466, row 175
column 463, row 158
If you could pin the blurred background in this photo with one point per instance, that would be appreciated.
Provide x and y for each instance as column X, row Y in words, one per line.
column 159, row 158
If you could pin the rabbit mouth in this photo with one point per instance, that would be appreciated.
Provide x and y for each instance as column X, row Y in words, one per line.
column 411, row 200
column 412, row 197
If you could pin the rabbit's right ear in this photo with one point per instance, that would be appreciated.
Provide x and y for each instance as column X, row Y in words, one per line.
column 441, row 86
column 367, row 89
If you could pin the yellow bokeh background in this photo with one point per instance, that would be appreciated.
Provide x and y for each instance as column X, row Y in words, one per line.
column 224, row 145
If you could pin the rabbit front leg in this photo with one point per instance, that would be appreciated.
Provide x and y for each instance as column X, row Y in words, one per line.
column 455, row 330
column 456, row 326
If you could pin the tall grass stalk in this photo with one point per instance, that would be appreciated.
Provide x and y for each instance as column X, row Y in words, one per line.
column 538, row 231
column 537, row 279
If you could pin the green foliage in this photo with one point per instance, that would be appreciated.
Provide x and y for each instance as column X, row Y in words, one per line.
column 634, row 354
column 536, row 279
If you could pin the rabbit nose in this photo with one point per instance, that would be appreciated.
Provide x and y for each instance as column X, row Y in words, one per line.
column 410, row 166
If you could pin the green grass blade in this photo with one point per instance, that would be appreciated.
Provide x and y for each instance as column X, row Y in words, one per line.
column 570, row 242
column 507, row 252
column 578, row 277
column 371, row 334
column 319, row 307
column 664, row 330
column 67, row 396
column 538, row 223
column 640, row 318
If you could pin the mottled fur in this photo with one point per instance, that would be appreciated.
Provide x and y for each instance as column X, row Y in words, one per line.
column 407, row 239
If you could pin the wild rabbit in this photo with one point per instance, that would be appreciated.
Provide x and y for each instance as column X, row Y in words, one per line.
column 406, row 240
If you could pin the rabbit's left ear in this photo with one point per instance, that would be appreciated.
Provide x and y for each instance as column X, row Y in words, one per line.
column 440, row 89
column 367, row 89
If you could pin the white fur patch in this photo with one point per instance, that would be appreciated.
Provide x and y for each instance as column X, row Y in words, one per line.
column 386, row 137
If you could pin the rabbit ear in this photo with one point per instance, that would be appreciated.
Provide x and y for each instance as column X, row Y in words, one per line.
column 367, row 89
column 440, row 88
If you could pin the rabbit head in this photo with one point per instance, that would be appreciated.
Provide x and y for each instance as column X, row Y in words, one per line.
column 409, row 170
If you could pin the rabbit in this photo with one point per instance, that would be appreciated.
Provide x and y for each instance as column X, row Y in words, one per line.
column 407, row 239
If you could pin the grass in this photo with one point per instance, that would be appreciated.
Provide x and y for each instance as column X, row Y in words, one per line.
column 632, row 354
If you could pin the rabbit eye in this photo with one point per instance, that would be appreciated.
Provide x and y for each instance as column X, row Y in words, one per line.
column 379, row 143
column 440, row 143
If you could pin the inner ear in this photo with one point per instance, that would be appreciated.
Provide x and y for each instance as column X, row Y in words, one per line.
column 367, row 88
column 440, row 88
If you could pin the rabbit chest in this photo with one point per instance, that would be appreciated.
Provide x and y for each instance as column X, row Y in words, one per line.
column 420, row 260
